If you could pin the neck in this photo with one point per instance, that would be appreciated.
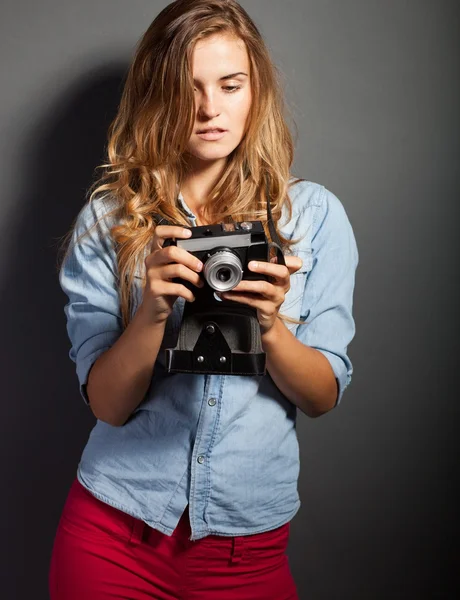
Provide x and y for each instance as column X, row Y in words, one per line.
column 200, row 179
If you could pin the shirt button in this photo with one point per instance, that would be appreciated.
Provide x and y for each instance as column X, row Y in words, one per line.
column 200, row 459
column 212, row 401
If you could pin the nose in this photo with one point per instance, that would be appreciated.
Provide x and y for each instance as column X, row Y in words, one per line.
column 207, row 106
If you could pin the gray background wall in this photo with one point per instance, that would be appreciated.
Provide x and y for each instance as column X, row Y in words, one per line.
column 375, row 94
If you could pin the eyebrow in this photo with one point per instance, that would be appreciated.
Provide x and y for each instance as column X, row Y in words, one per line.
column 231, row 76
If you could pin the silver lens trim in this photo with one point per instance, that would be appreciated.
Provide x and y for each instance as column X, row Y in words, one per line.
column 227, row 260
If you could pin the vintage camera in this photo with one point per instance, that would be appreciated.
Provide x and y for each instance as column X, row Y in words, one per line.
column 216, row 335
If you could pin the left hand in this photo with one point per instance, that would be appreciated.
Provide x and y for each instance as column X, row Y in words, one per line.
column 265, row 296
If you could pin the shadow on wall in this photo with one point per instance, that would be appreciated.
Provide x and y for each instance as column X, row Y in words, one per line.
column 48, row 422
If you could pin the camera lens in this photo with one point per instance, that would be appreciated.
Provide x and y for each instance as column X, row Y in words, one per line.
column 223, row 270
column 224, row 274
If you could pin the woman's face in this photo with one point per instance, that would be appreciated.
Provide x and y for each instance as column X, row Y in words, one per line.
column 222, row 96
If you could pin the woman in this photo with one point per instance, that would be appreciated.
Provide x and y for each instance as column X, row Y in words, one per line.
column 188, row 481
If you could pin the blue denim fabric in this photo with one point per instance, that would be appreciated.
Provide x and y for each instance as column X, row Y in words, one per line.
column 227, row 445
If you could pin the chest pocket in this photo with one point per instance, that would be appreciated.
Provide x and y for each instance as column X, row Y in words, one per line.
column 292, row 304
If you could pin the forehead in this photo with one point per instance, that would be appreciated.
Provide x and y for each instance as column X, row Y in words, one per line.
column 219, row 55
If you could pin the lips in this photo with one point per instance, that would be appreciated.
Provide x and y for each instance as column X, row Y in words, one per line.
column 211, row 134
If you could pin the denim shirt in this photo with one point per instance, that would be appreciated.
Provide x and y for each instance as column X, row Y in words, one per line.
column 226, row 445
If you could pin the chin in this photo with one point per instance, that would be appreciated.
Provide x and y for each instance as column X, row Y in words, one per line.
column 210, row 154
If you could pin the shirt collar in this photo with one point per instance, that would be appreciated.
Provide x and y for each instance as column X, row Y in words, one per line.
column 186, row 209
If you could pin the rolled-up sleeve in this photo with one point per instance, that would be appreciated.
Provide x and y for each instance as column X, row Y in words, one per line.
column 88, row 276
column 328, row 297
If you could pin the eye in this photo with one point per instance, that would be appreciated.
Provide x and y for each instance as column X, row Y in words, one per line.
column 230, row 89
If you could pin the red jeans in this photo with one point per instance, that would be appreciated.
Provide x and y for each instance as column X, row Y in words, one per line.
column 102, row 553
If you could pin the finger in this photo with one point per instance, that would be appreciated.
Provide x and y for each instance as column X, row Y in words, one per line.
column 163, row 232
column 177, row 270
column 293, row 263
column 255, row 301
column 176, row 289
column 279, row 273
column 173, row 254
column 260, row 288
column 181, row 290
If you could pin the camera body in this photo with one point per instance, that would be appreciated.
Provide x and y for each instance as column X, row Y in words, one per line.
column 225, row 250
column 219, row 336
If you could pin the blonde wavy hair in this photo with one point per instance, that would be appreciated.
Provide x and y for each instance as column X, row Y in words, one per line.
column 147, row 140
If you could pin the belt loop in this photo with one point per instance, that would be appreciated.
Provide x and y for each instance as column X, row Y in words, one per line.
column 237, row 549
column 137, row 532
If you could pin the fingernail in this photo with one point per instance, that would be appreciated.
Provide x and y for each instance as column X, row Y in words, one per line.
column 253, row 264
column 187, row 232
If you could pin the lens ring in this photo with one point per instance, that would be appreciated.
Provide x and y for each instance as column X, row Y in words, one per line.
column 224, row 259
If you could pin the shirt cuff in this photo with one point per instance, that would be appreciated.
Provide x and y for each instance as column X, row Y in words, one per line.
column 343, row 377
column 83, row 368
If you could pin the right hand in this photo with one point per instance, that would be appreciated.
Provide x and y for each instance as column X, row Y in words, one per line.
column 162, row 265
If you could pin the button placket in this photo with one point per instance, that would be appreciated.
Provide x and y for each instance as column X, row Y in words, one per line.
column 200, row 469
